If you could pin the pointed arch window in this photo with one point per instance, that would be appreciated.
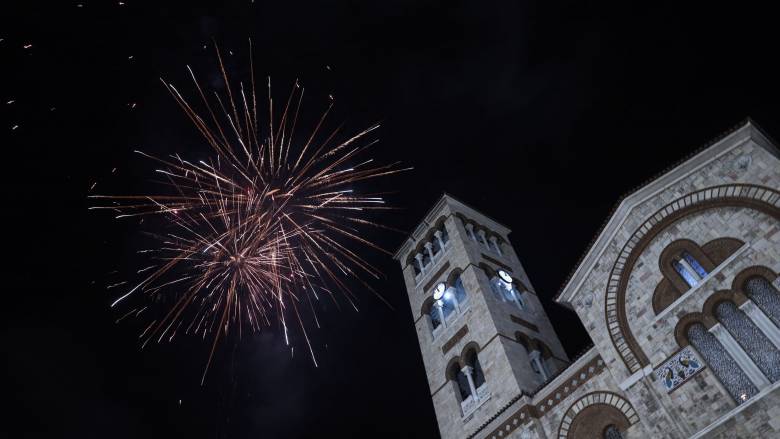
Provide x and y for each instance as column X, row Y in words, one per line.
column 758, row 347
column 765, row 295
column 721, row 363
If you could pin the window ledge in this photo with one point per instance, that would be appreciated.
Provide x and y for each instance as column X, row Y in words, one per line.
column 470, row 405
column 691, row 291
column 449, row 323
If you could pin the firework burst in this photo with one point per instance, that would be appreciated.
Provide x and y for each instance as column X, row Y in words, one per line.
column 261, row 229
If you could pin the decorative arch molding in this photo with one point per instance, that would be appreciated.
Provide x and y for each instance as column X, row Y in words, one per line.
column 605, row 407
column 756, row 271
column 760, row 198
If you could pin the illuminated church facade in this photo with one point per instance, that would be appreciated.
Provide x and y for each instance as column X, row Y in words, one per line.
column 679, row 293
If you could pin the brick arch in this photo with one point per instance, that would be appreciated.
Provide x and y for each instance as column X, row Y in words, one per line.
column 749, row 196
column 756, row 271
column 681, row 329
column 594, row 409
column 708, row 309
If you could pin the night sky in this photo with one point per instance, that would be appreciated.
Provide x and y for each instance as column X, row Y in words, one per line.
column 540, row 115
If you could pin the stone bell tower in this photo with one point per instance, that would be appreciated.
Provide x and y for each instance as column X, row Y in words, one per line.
column 484, row 336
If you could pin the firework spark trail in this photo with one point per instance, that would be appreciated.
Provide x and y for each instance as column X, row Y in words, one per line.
column 257, row 228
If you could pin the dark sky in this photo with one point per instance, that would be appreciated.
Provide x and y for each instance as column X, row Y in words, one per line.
column 540, row 114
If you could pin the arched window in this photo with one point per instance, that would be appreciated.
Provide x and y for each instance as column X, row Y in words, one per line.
column 752, row 340
column 697, row 268
column 426, row 260
column 686, row 272
column 612, row 432
column 445, row 237
column 496, row 245
column 461, row 381
column 721, row 363
column 476, row 369
column 765, row 296
column 436, row 248
column 435, row 315
column 504, row 288
column 460, row 291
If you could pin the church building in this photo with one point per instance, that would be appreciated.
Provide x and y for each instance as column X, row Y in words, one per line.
column 679, row 292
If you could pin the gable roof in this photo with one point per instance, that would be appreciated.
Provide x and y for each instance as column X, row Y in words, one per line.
column 744, row 130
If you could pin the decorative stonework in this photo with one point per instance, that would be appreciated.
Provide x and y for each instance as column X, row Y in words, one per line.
column 523, row 322
column 607, row 398
column 524, row 414
column 761, row 198
column 678, row 369
column 455, row 339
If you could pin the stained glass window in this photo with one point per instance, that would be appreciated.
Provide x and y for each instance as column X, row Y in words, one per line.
column 694, row 264
column 721, row 364
column 686, row 274
column 765, row 296
column 752, row 340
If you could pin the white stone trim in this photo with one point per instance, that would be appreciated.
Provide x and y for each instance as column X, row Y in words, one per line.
column 739, row 355
column 633, row 379
column 767, row 327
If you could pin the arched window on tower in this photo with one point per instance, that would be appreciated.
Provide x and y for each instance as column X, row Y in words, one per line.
column 459, row 292
column 435, row 314
column 445, row 237
column 721, row 363
column 461, row 382
column 612, row 432
column 445, row 304
column 758, row 347
column 505, row 289
column 765, row 295
column 476, row 370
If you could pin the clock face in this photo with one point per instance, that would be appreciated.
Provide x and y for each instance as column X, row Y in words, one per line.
column 438, row 292
column 505, row 276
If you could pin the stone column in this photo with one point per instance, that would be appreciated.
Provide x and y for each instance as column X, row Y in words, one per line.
column 762, row 321
column 467, row 370
column 440, row 311
column 470, row 231
column 429, row 250
column 437, row 234
column 419, row 257
column 484, row 240
column 496, row 245
column 739, row 355
column 536, row 358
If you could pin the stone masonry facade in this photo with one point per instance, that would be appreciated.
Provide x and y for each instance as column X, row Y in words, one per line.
column 679, row 293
